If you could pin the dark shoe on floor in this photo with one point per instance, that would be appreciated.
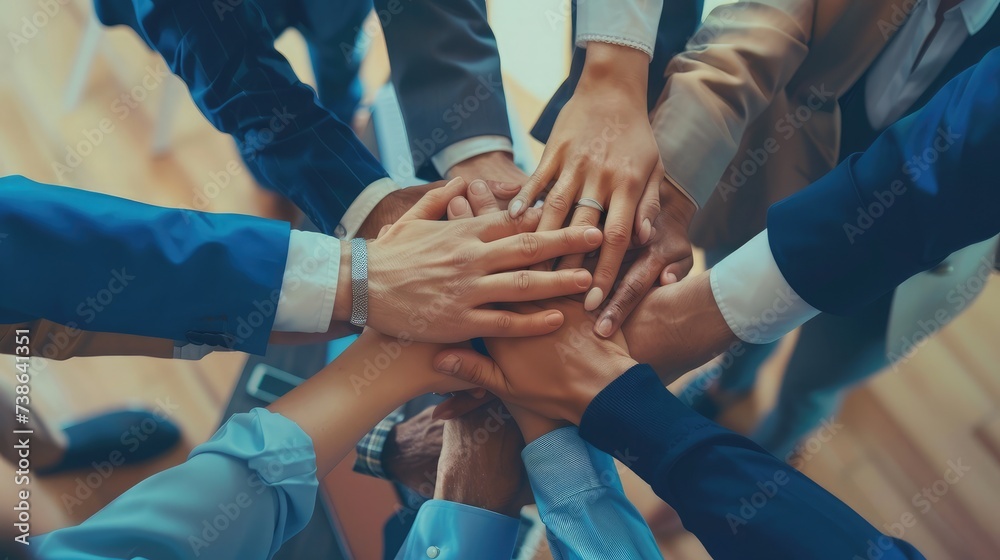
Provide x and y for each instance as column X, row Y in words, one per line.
column 122, row 437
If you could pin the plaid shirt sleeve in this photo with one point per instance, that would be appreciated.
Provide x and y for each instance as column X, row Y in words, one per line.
column 370, row 447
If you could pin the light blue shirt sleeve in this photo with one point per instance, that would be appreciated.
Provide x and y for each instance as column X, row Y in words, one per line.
column 581, row 501
column 239, row 496
column 446, row 530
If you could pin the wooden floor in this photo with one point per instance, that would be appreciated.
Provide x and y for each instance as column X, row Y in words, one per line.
column 900, row 431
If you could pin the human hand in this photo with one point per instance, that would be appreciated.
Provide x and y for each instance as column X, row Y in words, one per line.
column 430, row 279
column 483, row 471
column 391, row 208
column 602, row 147
column 411, row 451
column 679, row 327
column 556, row 375
column 532, row 424
column 503, row 177
column 667, row 258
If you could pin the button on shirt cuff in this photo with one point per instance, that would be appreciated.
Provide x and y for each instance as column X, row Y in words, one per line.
column 755, row 299
column 309, row 285
column 452, row 531
column 363, row 205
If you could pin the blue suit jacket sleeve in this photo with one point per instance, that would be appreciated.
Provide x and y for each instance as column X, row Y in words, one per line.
column 224, row 52
column 446, row 71
column 926, row 188
column 740, row 501
column 102, row 263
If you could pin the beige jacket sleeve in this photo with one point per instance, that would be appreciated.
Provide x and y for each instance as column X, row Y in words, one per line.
column 743, row 55
column 57, row 342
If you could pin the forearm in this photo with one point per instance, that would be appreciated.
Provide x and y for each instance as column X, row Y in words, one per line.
column 707, row 473
column 239, row 496
column 126, row 252
column 245, row 88
column 923, row 190
column 433, row 82
column 740, row 58
column 338, row 406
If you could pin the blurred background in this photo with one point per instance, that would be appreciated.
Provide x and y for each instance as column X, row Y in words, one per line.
column 895, row 435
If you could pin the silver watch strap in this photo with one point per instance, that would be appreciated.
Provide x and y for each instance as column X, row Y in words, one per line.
column 359, row 282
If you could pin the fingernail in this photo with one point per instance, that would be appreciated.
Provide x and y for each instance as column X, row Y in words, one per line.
column 592, row 236
column 478, row 393
column 454, row 181
column 604, row 327
column 508, row 186
column 652, row 232
column 553, row 319
column 515, row 208
column 581, row 278
column 670, row 278
column 459, row 205
column 594, row 299
column 645, row 230
column 478, row 187
column 449, row 364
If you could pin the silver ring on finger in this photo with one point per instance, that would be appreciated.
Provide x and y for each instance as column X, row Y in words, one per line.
column 591, row 203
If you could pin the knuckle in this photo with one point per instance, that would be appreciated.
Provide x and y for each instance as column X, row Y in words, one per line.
column 631, row 290
column 529, row 244
column 504, row 321
column 522, row 280
column 557, row 202
column 604, row 276
column 616, row 234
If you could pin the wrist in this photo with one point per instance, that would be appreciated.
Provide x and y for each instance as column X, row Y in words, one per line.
column 609, row 66
column 604, row 373
column 344, row 299
column 488, row 160
column 675, row 202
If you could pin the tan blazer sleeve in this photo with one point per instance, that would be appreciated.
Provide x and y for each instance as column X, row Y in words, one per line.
column 57, row 342
column 743, row 55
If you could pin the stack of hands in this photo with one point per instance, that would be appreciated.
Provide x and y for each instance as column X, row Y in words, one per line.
column 547, row 361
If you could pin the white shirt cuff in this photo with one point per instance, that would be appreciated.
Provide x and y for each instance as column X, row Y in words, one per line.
column 462, row 150
column 632, row 23
column 363, row 205
column 757, row 302
column 309, row 285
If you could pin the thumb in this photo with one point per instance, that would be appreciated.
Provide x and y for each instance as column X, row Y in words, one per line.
column 434, row 204
column 472, row 367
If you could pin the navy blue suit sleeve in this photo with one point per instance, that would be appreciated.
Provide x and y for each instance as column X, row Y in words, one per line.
column 224, row 52
column 740, row 501
column 926, row 188
column 100, row 263
column 446, row 71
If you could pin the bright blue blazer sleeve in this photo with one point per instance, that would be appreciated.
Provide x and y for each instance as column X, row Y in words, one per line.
column 101, row 263
column 239, row 496
column 926, row 188
column 224, row 52
column 582, row 503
